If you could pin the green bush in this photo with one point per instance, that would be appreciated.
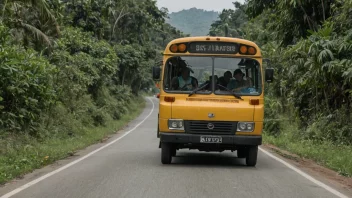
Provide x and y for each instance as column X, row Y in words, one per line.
column 334, row 127
column 85, row 63
column 272, row 117
column 26, row 86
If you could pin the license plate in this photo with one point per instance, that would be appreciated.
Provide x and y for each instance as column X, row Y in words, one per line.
column 210, row 139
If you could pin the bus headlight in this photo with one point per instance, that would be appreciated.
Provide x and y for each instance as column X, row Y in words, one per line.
column 176, row 124
column 245, row 126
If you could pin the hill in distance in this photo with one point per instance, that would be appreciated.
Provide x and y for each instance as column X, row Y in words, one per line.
column 195, row 22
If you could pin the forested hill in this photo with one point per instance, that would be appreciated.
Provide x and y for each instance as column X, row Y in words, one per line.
column 195, row 22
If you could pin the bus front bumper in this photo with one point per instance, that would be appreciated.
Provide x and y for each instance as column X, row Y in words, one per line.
column 234, row 140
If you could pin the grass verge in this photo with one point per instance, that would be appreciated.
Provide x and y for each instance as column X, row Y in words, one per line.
column 30, row 153
column 328, row 154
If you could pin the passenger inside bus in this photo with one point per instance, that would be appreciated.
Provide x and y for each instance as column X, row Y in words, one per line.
column 224, row 80
column 185, row 81
column 238, row 83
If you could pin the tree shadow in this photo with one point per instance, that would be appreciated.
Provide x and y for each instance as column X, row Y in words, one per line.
column 204, row 159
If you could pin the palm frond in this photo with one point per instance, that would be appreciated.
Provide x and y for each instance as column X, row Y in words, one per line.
column 325, row 55
column 3, row 9
column 347, row 75
column 43, row 8
column 38, row 34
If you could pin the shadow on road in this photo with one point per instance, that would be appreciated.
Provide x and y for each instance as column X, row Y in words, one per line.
column 208, row 159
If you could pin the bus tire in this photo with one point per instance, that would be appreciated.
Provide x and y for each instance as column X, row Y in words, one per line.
column 241, row 153
column 252, row 154
column 173, row 152
column 157, row 131
column 166, row 153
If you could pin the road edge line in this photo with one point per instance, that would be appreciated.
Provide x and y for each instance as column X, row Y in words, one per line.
column 29, row 184
column 310, row 178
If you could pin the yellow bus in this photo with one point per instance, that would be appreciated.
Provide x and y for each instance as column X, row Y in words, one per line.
column 211, row 97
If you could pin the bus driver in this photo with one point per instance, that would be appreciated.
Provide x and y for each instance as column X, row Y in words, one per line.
column 185, row 82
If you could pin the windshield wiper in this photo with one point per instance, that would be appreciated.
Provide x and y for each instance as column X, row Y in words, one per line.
column 234, row 94
column 198, row 89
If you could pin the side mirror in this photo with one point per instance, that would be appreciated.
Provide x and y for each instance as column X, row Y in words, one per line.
column 156, row 73
column 269, row 75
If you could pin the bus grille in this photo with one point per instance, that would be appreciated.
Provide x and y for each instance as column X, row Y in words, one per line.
column 202, row 127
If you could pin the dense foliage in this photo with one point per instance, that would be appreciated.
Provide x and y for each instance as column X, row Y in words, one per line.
column 195, row 22
column 69, row 64
column 310, row 45
column 230, row 22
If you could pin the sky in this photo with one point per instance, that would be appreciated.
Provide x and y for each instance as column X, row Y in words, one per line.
column 215, row 5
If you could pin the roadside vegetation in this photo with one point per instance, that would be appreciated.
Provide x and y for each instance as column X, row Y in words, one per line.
column 308, row 106
column 72, row 72
column 25, row 153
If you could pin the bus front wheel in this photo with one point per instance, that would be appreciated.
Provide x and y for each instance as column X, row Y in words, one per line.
column 252, row 154
column 241, row 152
column 166, row 153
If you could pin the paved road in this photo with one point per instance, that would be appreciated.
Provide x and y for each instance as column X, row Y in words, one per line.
column 131, row 167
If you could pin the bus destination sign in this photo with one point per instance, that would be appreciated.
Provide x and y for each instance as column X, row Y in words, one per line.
column 213, row 48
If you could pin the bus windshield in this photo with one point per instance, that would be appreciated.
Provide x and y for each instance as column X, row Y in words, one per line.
column 219, row 75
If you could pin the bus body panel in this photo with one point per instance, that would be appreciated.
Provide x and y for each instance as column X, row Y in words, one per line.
column 199, row 107
column 259, row 113
column 209, row 39
column 164, row 108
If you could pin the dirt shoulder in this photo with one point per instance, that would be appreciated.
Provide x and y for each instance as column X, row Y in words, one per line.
column 325, row 175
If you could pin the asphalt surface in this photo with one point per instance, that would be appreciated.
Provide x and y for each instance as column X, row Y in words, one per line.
column 131, row 167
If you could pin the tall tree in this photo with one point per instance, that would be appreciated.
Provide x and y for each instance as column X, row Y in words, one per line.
column 230, row 22
column 32, row 22
column 292, row 18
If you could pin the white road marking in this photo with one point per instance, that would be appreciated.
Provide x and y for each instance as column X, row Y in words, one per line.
column 19, row 189
column 310, row 178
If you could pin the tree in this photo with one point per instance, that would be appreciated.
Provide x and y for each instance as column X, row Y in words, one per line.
column 32, row 22
column 292, row 19
column 99, row 58
column 230, row 22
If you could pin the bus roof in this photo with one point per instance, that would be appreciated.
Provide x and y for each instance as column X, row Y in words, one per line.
column 211, row 39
